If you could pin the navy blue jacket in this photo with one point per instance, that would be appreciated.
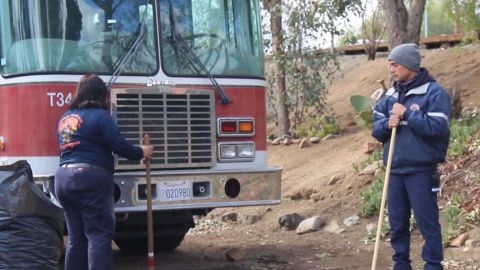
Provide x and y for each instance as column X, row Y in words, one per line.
column 423, row 134
column 89, row 136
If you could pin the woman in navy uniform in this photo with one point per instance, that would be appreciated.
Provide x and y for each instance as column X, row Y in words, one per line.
column 88, row 135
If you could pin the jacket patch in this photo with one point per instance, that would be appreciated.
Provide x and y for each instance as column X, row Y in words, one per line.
column 414, row 107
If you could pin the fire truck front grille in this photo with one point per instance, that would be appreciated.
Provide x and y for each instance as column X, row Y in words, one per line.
column 181, row 126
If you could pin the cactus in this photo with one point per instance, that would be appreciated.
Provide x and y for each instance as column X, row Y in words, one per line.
column 361, row 103
column 364, row 119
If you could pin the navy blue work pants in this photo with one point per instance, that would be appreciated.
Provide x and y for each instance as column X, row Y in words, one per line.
column 414, row 191
column 86, row 195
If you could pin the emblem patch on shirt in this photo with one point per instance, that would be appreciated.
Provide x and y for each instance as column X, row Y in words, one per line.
column 414, row 107
column 67, row 126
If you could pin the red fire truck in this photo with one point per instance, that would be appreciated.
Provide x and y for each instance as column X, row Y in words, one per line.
column 187, row 72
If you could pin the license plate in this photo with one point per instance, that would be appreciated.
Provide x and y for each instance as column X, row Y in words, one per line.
column 175, row 190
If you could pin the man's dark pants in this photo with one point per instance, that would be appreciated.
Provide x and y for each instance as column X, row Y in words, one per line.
column 86, row 197
column 414, row 191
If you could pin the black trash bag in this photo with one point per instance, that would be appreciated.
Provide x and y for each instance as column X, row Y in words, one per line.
column 31, row 225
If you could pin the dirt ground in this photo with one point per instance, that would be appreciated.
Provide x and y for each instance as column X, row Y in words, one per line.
column 306, row 173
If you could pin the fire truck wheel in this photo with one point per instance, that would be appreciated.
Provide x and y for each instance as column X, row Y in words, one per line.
column 165, row 243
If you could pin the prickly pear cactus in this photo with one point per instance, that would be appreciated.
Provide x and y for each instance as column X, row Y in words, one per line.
column 361, row 103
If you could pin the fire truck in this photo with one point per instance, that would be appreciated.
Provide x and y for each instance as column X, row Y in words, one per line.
column 189, row 73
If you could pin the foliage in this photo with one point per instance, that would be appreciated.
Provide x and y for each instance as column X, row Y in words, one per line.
column 348, row 38
column 460, row 132
column 452, row 214
column 464, row 14
column 436, row 18
column 372, row 196
column 362, row 105
column 455, row 102
column 320, row 126
column 307, row 68
column 373, row 30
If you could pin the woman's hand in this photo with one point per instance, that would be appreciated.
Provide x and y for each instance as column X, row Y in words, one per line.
column 147, row 151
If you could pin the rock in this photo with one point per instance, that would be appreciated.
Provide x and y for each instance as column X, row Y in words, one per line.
column 229, row 217
column 328, row 137
column 333, row 227
column 314, row 139
column 269, row 141
column 290, row 221
column 235, row 254
column 371, row 228
column 287, row 141
column 459, row 240
column 297, row 141
column 352, row 220
column 372, row 146
column 304, row 143
column 370, row 169
column 302, row 194
column 472, row 243
column 249, row 218
column 276, row 141
column 333, row 180
column 310, row 225
column 378, row 173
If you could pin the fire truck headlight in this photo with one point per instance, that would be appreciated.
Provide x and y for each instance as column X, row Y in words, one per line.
column 236, row 151
column 246, row 150
column 227, row 151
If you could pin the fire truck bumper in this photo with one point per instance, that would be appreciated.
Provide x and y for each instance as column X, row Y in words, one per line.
column 197, row 189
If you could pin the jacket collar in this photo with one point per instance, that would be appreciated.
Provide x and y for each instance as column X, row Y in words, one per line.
column 420, row 90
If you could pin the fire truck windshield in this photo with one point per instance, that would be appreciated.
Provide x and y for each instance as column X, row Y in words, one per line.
column 81, row 36
column 225, row 35
column 74, row 36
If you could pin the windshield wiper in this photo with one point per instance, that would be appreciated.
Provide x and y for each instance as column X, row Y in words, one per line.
column 130, row 50
column 180, row 45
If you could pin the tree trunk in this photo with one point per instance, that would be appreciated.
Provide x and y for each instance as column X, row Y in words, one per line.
column 403, row 26
column 274, row 8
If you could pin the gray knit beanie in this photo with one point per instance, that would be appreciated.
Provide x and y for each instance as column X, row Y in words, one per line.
column 407, row 55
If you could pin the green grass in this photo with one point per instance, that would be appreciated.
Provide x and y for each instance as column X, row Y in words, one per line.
column 460, row 132
column 453, row 211
column 372, row 197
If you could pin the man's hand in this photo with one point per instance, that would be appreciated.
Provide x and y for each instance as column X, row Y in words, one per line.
column 393, row 121
column 399, row 109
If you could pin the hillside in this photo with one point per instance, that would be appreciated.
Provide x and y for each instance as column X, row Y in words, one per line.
column 452, row 68
column 321, row 180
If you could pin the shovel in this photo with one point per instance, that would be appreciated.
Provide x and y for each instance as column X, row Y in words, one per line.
column 150, row 259
column 384, row 197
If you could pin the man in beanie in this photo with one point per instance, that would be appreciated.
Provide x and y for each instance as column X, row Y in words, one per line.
column 420, row 110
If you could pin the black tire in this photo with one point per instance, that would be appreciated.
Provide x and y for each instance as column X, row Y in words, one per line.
column 166, row 243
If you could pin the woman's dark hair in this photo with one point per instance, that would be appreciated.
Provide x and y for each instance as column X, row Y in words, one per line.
column 91, row 92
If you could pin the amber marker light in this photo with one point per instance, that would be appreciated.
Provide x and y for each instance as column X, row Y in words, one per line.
column 245, row 126
column 2, row 143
